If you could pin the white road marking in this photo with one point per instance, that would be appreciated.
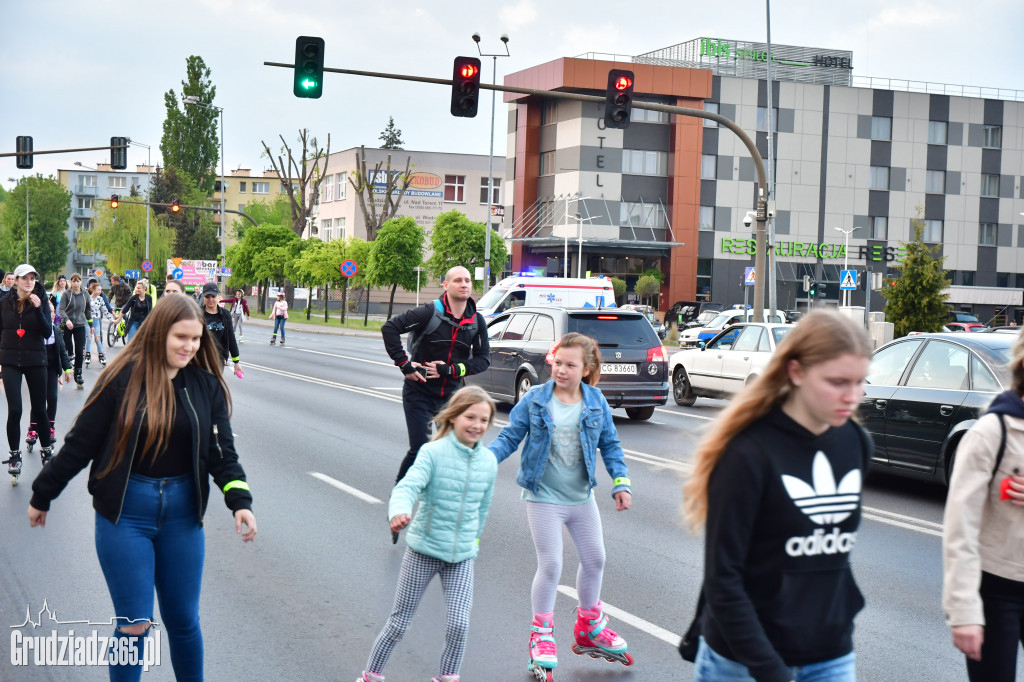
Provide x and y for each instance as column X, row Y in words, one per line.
column 683, row 414
column 345, row 357
column 355, row 492
column 628, row 618
column 324, row 382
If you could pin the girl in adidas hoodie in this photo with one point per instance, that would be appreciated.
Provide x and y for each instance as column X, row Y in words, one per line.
column 777, row 483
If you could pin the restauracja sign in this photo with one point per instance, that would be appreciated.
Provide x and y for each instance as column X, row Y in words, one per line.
column 824, row 251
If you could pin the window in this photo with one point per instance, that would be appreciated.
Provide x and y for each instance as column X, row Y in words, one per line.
column 639, row 214
column 543, row 329
column 84, row 225
column 241, row 186
column 707, row 218
column 989, row 185
column 261, row 188
column 711, row 107
column 879, row 228
column 881, row 128
column 932, row 231
column 762, row 119
column 1003, row 279
column 117, row 182
column 704, row 266
column 327, row 189
column 83, row 202
column 496, row 197
column 547, row 163
column 340, row 186
column 647, row 116
column 987, row 234
column 548, row 112
column 992, row 136
column 749, row 339
column 639, row 162
column 709, row 166
column 216, row 185
column 88, row 180
column 887, row 365
column 455, row 188
column 941, row 365
column 325, row 230
column 982, row 377
column 339, row 228
column 935, row 182
column 517, row 327
column 494, row 329
column 937, row 132
column 879, row 177
column 135, row 182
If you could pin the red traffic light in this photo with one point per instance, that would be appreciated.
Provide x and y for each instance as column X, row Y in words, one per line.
column 465, row 86
column 623, row 83
column 175, row 207
column 469, row 70
column 113, row 201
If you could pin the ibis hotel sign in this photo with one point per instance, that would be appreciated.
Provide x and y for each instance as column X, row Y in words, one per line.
column 746, row 59
column 825, row 250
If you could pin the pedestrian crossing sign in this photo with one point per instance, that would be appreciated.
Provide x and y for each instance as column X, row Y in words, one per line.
column 847, row 280
column 749, row 277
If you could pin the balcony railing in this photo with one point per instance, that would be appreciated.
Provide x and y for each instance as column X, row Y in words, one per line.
column 86, row 190
column 83, row 212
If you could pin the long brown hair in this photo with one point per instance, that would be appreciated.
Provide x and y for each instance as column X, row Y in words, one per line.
column 591, row 354
column 148, row 387
column 463, row 399
column 819, row 337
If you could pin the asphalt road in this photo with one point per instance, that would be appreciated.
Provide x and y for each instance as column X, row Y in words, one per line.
column 320, row 430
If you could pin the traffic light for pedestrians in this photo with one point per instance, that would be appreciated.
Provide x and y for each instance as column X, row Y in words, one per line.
column 807, row 283
column 812, row 289
column 822, row 291
column 465, row 86
column 114, row 201
column 618, row 100
column 119, row 157
column 24, row 148
column 175, row 206
column 309, row 67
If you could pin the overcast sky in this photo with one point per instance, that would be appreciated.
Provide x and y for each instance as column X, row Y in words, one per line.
column 73, row 73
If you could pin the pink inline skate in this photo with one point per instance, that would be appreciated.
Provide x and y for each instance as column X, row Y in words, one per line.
column 596, row 639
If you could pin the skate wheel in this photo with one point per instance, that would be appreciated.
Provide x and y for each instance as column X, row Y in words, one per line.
column 629, row 660
column 14, row 480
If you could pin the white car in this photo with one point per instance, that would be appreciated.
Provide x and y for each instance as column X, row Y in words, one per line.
column 690, row 337
column 727, row 364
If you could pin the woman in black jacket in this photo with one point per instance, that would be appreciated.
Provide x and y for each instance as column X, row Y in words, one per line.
column 154, row 430
column 24, row 327
column 137, row 309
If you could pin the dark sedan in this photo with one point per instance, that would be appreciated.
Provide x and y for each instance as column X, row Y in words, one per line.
column 923, row 392
column 634, row 372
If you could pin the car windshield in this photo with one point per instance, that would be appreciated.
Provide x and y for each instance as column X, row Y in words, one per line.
column 707, row 316
column 491, row 298
column 612, row 330
column 720, row 321
column 779, row 332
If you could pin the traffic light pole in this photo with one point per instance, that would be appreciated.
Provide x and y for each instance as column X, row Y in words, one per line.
column 762, row 182
column 195, row 208
column 108, row 147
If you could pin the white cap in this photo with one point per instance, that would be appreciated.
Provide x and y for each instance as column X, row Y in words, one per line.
column 24, row 269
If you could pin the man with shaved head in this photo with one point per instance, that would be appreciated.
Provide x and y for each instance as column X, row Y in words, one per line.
column 448, row 341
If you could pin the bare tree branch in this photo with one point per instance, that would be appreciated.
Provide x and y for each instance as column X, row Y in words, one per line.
column 363, row 184
column 300, row 182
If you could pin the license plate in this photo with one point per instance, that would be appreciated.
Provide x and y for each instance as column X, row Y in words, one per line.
column 617, row 368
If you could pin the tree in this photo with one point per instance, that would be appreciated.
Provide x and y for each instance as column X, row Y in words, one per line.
column 276, row 212
column 194, row 234
column 646, row 287
column 391, row 138
column 189, row 140
column 456, row 240
column 261, row 256
column 308, row 171
column 120, row 235
column 376, row 211
column 914, row 301
column 655, row 273
column 618, row 287
column 49, row 210
column 397, row 249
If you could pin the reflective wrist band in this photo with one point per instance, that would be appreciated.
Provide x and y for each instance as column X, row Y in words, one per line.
column 461, row 371
column 234, row 359
column 241, row 485
column 622, row 480
column 478, row 542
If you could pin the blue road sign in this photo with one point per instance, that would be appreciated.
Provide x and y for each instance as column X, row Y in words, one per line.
column 178, row 273
column 848, row 280
column 133, row 274
column 225, row 271
column 349, row 268
column 748, row 277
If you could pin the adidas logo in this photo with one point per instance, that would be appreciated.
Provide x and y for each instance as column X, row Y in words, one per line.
column 825, row 503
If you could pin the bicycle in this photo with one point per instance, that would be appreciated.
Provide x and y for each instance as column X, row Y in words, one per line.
column 117, row 330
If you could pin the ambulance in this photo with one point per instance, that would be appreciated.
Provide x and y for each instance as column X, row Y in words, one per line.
column 560, row 292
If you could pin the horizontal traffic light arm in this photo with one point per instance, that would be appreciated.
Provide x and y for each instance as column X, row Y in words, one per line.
column 214, row 209
column 64, row 151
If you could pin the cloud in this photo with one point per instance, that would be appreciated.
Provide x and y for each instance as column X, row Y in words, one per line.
column 517, row 16
column 918, row 15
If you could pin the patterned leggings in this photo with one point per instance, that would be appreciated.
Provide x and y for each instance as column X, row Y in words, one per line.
column 417, row 572
column 584, row 524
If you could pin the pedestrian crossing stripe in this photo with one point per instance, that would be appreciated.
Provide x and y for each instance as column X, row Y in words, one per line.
column 849, row 280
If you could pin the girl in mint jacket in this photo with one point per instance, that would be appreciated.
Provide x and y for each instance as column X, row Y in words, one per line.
column 453, row 480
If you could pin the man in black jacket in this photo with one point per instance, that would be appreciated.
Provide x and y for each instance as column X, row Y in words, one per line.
column 218, row 321
column 446, row 350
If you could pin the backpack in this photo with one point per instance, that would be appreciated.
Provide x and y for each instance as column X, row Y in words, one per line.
column 432, row 324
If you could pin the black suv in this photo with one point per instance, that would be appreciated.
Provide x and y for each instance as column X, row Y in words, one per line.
column 634, row 365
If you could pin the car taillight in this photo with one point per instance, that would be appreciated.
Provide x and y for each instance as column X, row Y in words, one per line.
column 657, row 354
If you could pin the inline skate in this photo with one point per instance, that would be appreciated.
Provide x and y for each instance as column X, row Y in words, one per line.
column 103, row 360
column 595, row 639
column 88, row 358
column 273, row 340
column 79, row 381
column 46, row 454
column 13, row 463
column 30, row 438
column 543, row 650
column 370, row 677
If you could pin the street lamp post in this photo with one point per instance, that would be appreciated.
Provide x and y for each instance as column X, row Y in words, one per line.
column 846, row 259
column 149, row 188
column 192, row 99
column 490, row 161
column 26, row 215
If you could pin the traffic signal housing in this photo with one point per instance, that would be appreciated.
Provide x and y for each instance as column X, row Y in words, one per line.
column 465, row 87
column 822, row 291
column 114, row 201
column 309, row 67
column 175, row 206
column 119, row 153
column 23, row 146
column 812, row 289
column 618, row 99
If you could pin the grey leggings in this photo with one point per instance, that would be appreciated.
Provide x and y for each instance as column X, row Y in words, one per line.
column 236, row 321
column 584, row 524
column 417, row 572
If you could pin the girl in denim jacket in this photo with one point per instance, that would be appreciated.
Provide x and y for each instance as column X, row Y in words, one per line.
column 564, row 422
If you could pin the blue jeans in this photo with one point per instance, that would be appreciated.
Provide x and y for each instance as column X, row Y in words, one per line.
column 95, row 330
column 157, row 543
column 713, row 667
column 279, row 323
column 132, row 328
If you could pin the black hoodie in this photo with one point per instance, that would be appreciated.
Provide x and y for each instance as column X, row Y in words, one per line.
column 783, row 512
column 27, row 349
column 1007, row 402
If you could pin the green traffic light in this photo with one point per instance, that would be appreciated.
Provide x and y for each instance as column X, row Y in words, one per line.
column 308, row 84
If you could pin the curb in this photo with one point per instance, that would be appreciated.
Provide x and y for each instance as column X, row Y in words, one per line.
column 313, row 329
